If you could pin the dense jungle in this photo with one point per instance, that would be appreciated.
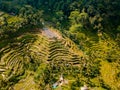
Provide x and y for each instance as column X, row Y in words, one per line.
column 59, row 44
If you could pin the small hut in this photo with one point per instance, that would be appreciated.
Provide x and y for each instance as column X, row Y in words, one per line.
column 84, row 88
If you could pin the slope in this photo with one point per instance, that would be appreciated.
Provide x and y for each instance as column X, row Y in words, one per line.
column 24, row 57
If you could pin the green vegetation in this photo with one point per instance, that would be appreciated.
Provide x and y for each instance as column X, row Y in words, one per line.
column 87, row 52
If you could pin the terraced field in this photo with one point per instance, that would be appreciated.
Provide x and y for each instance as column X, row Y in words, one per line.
column 60, row 53
column 24, row 57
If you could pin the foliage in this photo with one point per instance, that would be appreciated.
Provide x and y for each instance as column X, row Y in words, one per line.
column 88, row 53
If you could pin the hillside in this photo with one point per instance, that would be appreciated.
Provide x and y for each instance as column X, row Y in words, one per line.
column 59, row 44
column 29, row 54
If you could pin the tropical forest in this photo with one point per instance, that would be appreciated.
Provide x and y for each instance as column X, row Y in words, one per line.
column 59, row 44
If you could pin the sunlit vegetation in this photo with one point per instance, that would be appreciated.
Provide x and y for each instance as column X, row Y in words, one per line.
column 87, row 52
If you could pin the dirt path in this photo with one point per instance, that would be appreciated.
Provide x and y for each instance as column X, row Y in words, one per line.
column 51, row 34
